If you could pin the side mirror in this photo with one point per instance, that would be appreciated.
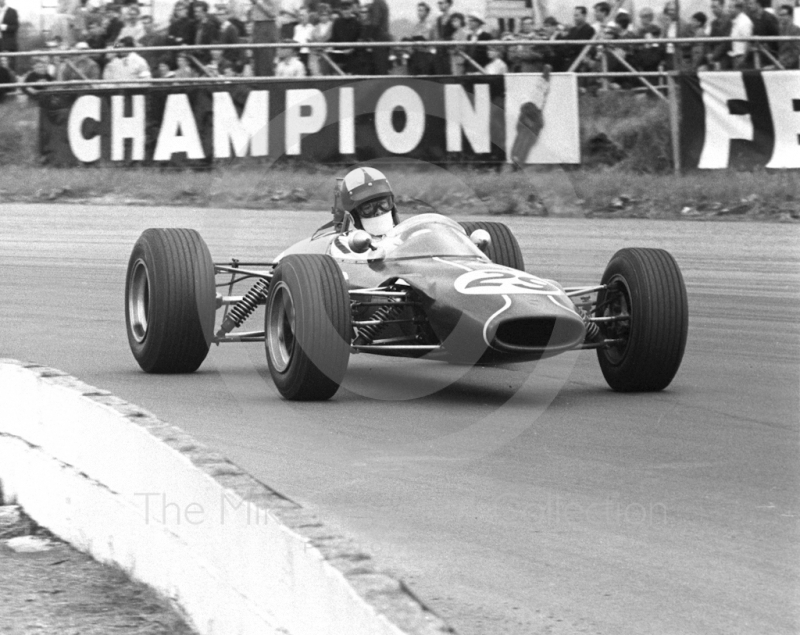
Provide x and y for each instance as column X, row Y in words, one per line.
column 481, row 239
column 360, row 241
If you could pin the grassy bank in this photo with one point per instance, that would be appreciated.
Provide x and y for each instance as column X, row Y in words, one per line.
column 626, row 174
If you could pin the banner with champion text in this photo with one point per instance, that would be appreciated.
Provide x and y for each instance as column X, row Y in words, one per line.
column 524, row 118
column 741, row 120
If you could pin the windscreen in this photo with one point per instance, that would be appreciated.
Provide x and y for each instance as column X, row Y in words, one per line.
column 428, row 235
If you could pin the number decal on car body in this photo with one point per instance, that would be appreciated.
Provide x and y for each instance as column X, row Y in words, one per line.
column 489, row 282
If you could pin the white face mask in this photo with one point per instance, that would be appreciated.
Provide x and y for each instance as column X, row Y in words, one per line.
column 378, row 225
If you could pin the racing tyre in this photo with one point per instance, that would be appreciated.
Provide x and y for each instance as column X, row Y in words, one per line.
column 170, row 300
column 308, row 327
column 504, row 249
column 647, row 295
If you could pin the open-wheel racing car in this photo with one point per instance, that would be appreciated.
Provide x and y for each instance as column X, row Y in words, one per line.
column 432, row 288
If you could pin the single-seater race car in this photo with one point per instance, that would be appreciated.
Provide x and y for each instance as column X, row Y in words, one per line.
column 432, row 288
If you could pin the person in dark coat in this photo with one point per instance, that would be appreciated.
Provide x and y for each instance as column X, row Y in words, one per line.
column 9, row 25
column 345, row 29
column 444, row 32
column 206, row 31
column 477, row 34
column 580, row 30
column 764, row 23
column 181, row 27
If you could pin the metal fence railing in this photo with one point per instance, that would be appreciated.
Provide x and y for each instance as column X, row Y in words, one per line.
column 661, row 83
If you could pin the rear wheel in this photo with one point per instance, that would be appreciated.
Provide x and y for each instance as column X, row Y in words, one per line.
column 648, row 317
column 504, row 249
column 170, row 300
column 308, row 327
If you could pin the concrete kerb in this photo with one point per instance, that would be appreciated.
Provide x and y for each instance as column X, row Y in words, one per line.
column 235, row 556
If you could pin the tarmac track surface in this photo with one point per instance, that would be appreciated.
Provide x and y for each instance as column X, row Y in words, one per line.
column 517, row 501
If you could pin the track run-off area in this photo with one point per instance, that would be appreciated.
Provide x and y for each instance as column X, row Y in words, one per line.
column 518, row 500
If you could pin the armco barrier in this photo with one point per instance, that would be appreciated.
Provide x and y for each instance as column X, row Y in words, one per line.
column 233, row 555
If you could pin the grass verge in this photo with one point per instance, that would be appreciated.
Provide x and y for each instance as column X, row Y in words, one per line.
column 626, row 174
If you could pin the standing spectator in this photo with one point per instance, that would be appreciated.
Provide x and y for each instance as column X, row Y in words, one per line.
column 64, row 23
column 717, row 56
column 151, row 37
column 444, row 33
column 79, row 67
column 379, row 20
column 459, row 34
column 9, row 24
column 788, row 52
column 363, row 62
column 38, row 75
column 288, row 17
column 229, row 34
column 679, row 58
column 580, row 30
column 263, row 14
column 321, row 33
column 477, row 33
column 525, row 58
column 420, row 59
column 289, row 65
column 132, row 27
column 303, row 32
column 602, row 18
column 764, row 23
column 698, row 22
column 126, row 66
column 206, row 31
column 741, row 26
column 113, row 23
column 374, row 61
column 345, row 29
column 496, row 65
column 7, row 77
column 181, row 27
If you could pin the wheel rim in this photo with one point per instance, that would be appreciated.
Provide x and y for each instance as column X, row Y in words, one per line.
column 281, row 327
column 618, row 298
column 139, row 300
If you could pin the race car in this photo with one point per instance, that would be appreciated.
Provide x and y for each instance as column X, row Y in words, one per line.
column 432, row 288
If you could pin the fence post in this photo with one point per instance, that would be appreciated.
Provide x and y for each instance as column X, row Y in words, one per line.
column 674, row 123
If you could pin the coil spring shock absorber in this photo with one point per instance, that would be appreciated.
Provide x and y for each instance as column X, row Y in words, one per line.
column 240, row 311
column 592, row 330
column 368, row 332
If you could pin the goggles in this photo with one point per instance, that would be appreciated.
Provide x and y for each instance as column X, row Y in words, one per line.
column 375, row 207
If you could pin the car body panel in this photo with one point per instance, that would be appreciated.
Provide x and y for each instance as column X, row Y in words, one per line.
column 479, row 311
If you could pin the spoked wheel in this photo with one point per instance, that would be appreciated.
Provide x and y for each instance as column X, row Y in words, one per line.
column 308, row 327
column 646, row 315
column 170, row 300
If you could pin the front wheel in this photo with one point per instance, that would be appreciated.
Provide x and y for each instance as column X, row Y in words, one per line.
column 645, row 312
column 170, row 300
column 504, row 248
column 308, row 327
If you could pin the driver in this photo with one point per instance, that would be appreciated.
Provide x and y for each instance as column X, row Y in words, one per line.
column 366, row 195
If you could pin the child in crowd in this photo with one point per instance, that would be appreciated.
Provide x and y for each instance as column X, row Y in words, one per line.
column 289, row 64
column 496, row 65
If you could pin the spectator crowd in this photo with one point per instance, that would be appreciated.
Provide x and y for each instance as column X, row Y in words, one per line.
column 99, row 28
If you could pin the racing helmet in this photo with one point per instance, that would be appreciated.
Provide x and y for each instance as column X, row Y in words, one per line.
column 368, row 197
